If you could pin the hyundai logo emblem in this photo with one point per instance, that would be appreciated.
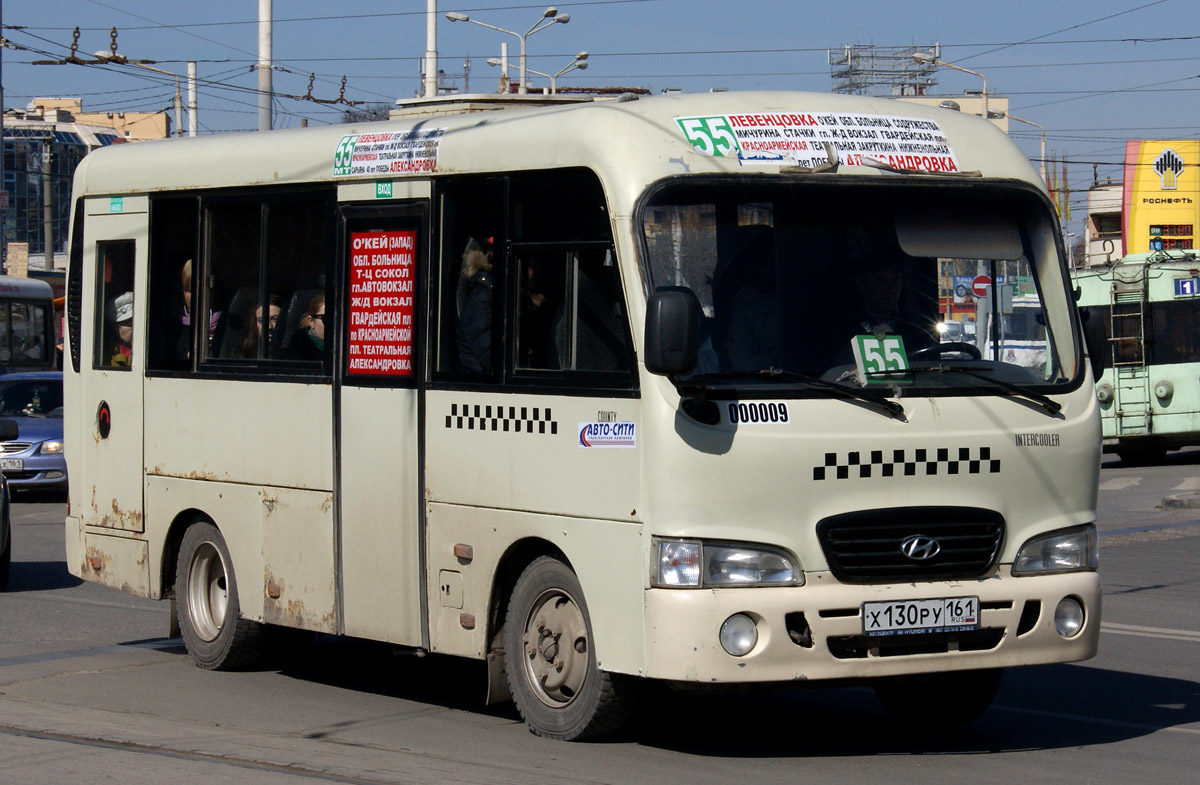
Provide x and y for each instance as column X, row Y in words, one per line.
column 920, row 548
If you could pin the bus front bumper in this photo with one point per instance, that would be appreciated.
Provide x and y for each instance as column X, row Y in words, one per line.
column 815, row 632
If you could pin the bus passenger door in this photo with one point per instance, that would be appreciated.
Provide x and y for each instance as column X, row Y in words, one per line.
column 379, row 486
column 114, row 285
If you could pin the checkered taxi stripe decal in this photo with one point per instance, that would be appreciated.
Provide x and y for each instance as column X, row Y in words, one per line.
column 509, row 419
column 907, row 463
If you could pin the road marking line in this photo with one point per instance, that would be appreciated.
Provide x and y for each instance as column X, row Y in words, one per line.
column 1120, row 483
column 1099, row 721
column 1150, row 632
column 1190, row 484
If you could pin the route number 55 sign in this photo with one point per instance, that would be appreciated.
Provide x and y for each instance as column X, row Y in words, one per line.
column 880, row 360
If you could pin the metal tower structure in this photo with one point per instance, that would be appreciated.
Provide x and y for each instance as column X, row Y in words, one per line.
column 866, row 69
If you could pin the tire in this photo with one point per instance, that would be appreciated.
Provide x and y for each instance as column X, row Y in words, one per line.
column 939, row 700
column 558, row 690
column 5, row 558
column 206, row 596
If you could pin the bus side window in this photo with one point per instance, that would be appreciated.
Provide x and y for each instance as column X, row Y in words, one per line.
column 114, row 345
column 570, row 310
column 469, row 288
column 260, row 289
column 174, row 262
column 232, row 252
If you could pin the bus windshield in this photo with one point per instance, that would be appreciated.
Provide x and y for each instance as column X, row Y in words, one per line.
column 921, row 285
column 26, row 326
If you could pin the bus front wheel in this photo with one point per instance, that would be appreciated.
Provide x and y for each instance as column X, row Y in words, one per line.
column 551, row 663
column 939, row 700
column 206, row 596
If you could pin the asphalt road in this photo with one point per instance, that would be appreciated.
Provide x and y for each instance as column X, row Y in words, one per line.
column 92, row 690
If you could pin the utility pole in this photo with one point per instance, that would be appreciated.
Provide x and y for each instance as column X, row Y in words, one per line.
column 191, row 77
column 264, row 65
column 3, row 205
column 47, row 205
column 431, row 56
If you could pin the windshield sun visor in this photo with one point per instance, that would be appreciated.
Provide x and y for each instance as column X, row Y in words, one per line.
column 957, row 235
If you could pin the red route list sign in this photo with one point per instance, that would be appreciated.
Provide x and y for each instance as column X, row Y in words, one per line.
column 381, row 302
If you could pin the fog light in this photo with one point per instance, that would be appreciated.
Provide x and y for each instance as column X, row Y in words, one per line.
column 1068, row 617
column 739, row 634
column 53, row 475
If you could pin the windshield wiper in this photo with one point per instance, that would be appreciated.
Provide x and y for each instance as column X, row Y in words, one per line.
column 1049, row 405
column 842, row 391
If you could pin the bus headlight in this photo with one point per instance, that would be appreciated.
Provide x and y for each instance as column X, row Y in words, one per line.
column 1067, row 550
column 50, row 448
column 691, row 563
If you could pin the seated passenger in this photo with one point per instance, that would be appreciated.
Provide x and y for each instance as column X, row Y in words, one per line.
column 122, row 329
column 248, row 345
column 308, row 341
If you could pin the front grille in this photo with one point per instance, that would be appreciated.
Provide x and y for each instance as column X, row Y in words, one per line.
column 865, row 547
column 856, row 647
column 14, row 447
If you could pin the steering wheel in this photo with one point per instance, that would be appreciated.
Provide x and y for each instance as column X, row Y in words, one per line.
column 950, row 347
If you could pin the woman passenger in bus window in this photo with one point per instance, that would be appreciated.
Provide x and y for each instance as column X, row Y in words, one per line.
column 248, row 346
column 122, row 353
column 308, row 342
column 474, row 329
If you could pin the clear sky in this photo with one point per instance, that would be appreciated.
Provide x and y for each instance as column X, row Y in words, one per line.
column 1093, row 73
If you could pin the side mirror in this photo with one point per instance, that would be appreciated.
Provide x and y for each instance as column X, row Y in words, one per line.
column 1095, row 338
column 672, row 331
column 8, row 430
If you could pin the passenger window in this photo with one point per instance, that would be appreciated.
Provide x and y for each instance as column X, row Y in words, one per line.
column 570, row 308
column 529, row 290
column 114, row 345
column 250, row 295
column 570, row 313
column 174, row 266
column 233, row 233
column 264, row 296
column 470, row 285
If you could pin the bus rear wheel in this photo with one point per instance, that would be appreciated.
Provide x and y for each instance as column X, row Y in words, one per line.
column 207, row 600
column 551, row 663
column 939, row 700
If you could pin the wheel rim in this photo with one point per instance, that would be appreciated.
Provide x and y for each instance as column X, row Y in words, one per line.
column 208, row 592
column 556, row 647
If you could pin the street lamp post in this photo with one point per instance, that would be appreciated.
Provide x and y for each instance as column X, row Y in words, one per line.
column 550, row 13
column 578, row 64
column 927, row 58
column 113, row 57
column 1042, row 128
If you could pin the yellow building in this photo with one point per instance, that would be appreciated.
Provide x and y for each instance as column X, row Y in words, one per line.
column 1161, row 195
